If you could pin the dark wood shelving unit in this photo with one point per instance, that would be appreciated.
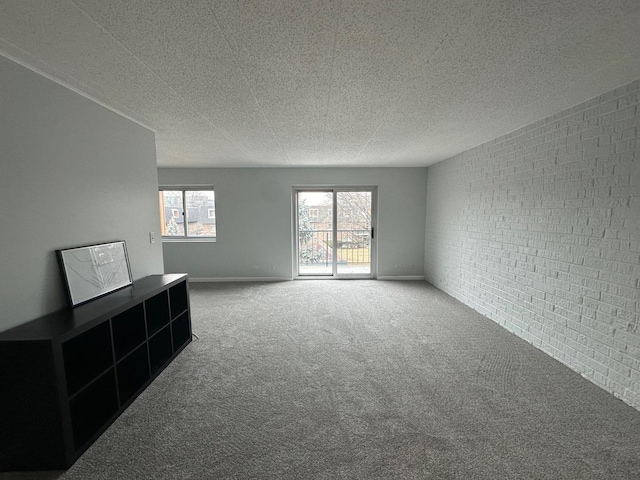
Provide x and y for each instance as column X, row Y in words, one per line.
column 67, row 376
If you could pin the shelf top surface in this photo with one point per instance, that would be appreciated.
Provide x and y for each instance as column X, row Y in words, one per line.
column 62, row 322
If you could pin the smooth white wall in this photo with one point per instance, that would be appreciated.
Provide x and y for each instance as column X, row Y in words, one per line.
column 254, row 215
column 71, row 173
column 540, row 231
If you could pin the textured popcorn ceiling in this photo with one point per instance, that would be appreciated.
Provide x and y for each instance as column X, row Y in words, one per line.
column 236, row 83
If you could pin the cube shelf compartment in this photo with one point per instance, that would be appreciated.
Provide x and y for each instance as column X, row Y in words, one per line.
column 68, row 375
column 157, row 312
column 93, row 407
column 129, row 330
column 86, row 356
column 160, row 349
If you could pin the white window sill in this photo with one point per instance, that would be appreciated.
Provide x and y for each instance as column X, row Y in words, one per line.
column 189, row 240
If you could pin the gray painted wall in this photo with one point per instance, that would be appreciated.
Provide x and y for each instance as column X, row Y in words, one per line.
column 71, row 173
column 540, row 231
column 254, row 215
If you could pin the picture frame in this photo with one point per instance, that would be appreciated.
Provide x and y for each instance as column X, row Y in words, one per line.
column 92, row 271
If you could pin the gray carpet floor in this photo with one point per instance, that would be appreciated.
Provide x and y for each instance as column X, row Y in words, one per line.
column 360, row 380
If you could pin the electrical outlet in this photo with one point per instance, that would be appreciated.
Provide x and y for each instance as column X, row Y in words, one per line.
column 152, row 237
column 398, row 266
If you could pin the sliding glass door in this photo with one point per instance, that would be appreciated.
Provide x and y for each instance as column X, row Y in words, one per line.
column 335, row 233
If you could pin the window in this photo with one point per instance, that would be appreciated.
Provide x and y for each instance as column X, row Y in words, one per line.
column 314, row 212
column 196, row 221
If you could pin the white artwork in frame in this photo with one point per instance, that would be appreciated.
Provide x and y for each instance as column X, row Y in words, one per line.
column 94, row 270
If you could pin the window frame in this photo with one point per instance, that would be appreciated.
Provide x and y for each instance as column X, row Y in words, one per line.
column 185, row 213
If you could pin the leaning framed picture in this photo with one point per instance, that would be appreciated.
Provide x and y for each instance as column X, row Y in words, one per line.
column 92, row 271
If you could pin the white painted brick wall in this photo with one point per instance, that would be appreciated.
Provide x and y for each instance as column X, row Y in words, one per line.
column 540, row 231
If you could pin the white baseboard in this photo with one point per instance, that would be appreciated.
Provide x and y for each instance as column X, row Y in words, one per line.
column 239, row 279
column 286, row 279
column 400, row 277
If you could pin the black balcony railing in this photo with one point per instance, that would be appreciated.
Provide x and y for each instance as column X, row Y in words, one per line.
column 315, row 247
